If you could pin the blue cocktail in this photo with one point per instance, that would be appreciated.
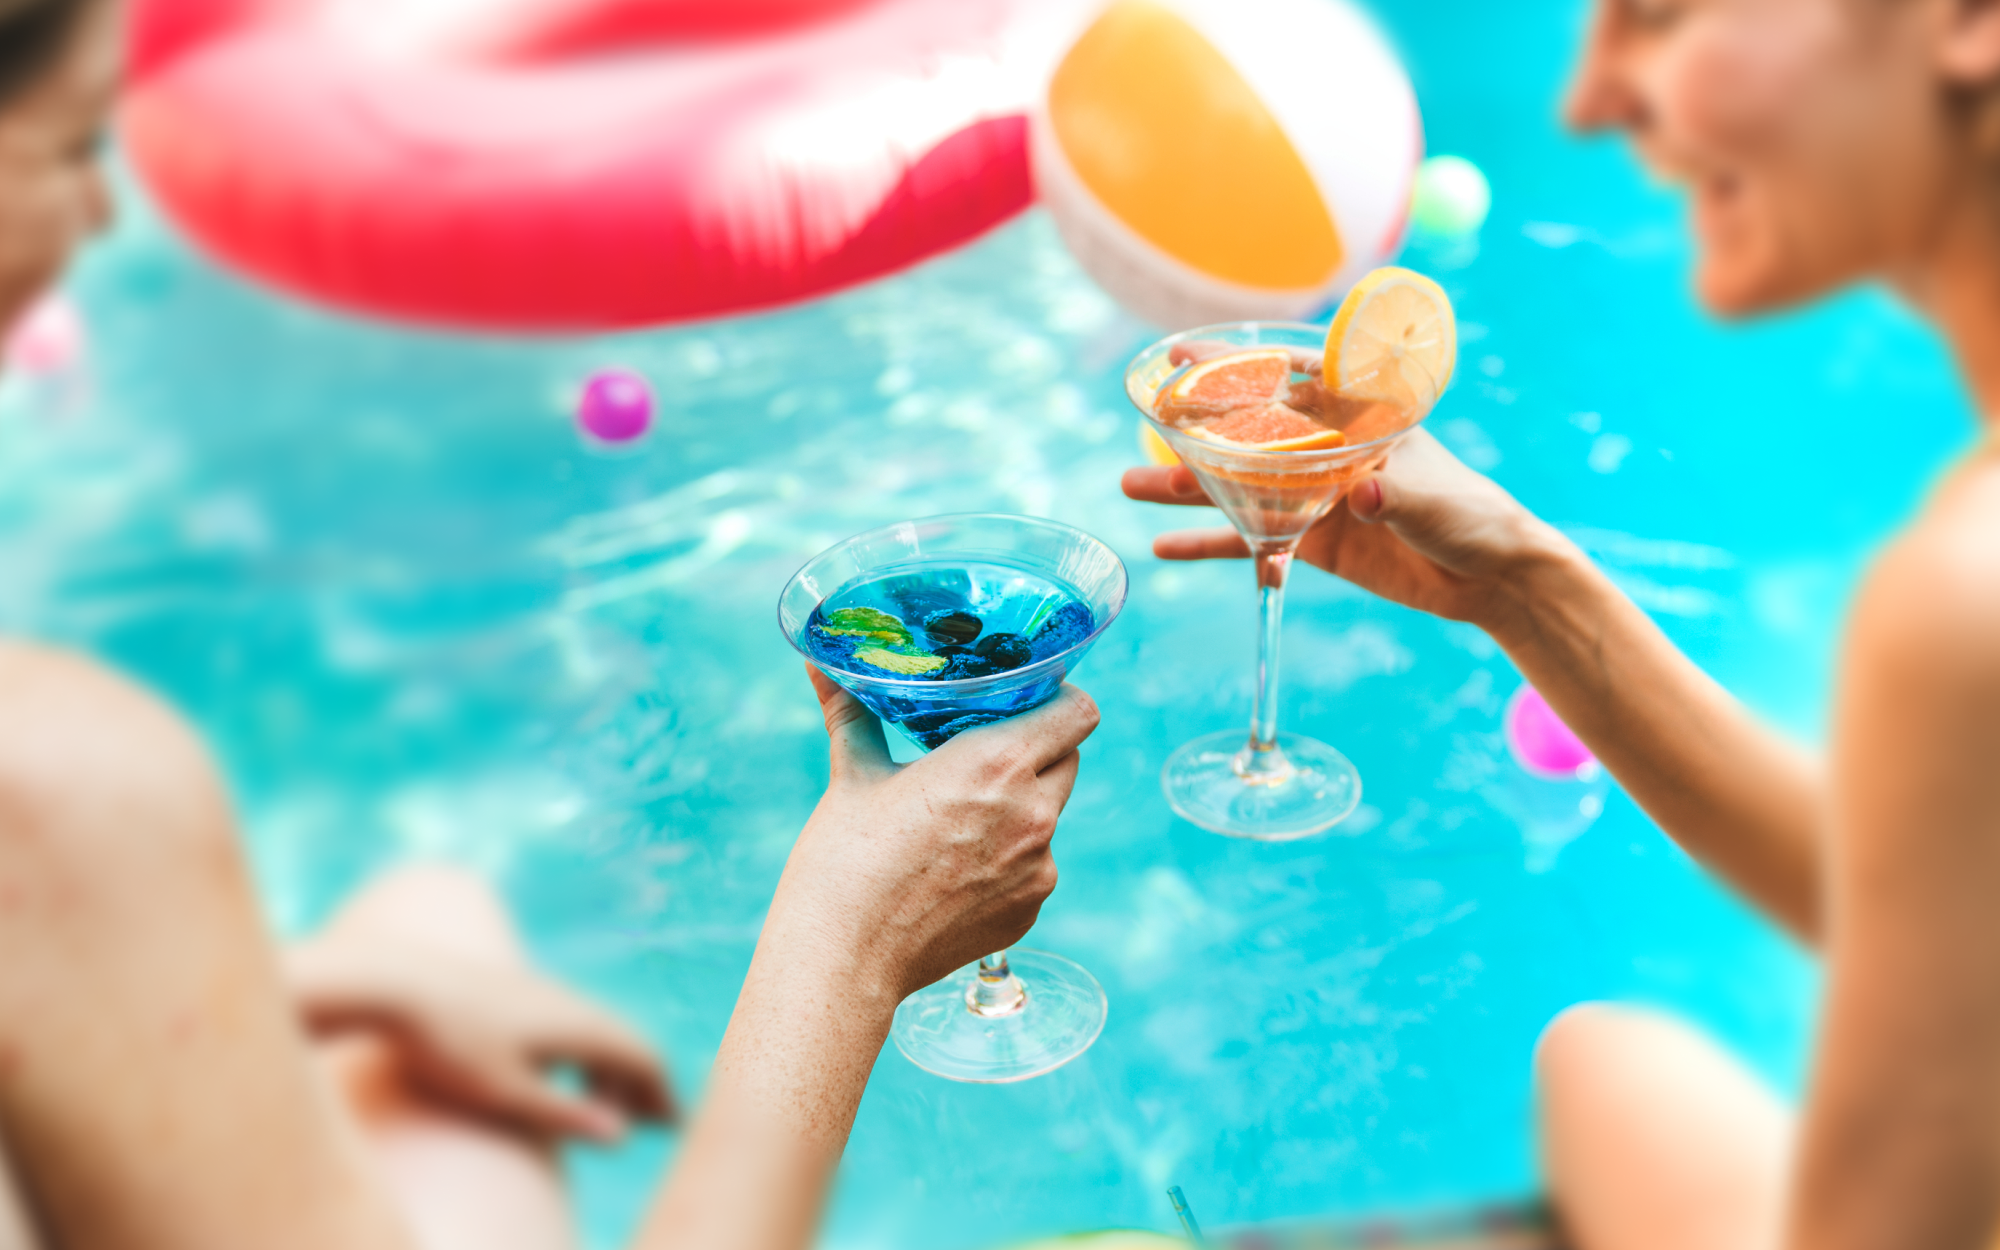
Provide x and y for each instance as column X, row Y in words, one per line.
column 940, row 626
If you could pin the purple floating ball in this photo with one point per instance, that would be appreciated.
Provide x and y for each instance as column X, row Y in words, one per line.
column 1540, row 741
column 617, row 406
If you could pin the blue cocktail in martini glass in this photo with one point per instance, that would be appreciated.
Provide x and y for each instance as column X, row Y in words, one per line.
column 940, row 626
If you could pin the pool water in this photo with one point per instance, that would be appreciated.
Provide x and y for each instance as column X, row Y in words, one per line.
column 418, row 617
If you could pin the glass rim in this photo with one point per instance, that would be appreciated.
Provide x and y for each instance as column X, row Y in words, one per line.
column 963, row 683
column 1387, row 440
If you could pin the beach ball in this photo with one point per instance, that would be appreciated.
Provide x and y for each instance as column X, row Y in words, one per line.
column 616, row 406
column 1222, row 160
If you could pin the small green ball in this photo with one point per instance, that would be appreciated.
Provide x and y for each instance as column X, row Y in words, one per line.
column 1452, row 197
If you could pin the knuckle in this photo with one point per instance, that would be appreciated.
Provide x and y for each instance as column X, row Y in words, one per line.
column 1046, row 877
column 1002, row 767
column 1030, row 913
column 1087, row 710
column 1041, row 820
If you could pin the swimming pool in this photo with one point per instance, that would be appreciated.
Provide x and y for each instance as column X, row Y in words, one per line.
column 417, row 617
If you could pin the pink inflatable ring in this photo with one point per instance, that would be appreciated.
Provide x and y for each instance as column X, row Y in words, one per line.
column 583, row 164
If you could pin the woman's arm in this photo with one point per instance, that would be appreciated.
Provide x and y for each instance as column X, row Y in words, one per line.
column 1901, row 1141
column 902, row 876
column 1736, row 796
column 1430, row 533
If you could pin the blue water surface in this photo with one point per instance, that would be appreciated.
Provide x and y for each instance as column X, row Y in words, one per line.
column 419, row 618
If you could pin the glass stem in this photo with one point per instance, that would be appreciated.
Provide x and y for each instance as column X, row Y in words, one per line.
column 1262, row 761
column 996, row 991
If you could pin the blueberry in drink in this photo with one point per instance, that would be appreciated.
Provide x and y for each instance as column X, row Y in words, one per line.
column 930, row 628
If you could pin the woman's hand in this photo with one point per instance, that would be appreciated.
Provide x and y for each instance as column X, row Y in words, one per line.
column 930, row 865
column 1425, row 531
column 1431, row 534
column 484, row 1035
column 903, row 875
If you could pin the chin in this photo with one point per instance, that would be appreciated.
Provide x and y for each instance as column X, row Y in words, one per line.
column 1729, row 295
column 1736, row 283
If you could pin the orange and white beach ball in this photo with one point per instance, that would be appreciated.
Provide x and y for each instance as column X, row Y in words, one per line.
column 1221, row 160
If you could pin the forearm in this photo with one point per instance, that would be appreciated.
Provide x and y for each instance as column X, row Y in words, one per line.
column 1736, row 796
column 781, row 1098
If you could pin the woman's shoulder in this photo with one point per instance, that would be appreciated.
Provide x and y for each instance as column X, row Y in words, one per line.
column 1932, row 598
column 68, row 722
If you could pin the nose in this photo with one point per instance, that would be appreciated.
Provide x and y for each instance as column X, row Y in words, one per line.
column 1601, row 96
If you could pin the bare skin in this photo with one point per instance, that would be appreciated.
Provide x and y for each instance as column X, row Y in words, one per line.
column 408, row 1053
column 903, row 874
column 169, row 1078
column 108, row 1099
column 180, row 1102
column 51, row 137
column 1821, row 142
column 200, row 1095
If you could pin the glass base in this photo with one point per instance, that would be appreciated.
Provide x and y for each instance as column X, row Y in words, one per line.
column 1061, row 1015
column 1303, row 788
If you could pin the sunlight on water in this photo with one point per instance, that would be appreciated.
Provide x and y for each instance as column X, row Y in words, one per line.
column 417, row 616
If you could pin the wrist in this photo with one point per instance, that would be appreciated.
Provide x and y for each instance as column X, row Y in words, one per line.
column 818, row 955
column 1545, row 576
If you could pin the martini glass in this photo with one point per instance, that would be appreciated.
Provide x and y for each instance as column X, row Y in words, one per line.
column 1274, row 787
column 1015, row 1014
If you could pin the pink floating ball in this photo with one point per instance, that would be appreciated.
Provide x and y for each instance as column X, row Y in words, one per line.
column 617, row 406
column 1540, row 741
column 48, row 341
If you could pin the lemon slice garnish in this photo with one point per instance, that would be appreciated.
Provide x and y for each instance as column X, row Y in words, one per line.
column 1392, row 318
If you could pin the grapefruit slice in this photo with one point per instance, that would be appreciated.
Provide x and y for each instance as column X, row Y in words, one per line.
column 1233, row 381
column 1391, row 318
column 1270, row 427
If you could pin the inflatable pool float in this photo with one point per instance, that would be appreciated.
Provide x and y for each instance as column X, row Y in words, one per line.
column 1226, row 160
column 548, row 165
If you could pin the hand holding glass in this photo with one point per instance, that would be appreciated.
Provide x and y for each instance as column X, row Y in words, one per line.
column 940, row 626
column 1270, row 787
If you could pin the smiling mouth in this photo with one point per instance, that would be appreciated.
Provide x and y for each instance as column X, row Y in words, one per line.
column 1713, row 196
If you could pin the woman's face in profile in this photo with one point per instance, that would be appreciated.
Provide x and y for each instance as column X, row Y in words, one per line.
column 1815, row 138
column 52, row 192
